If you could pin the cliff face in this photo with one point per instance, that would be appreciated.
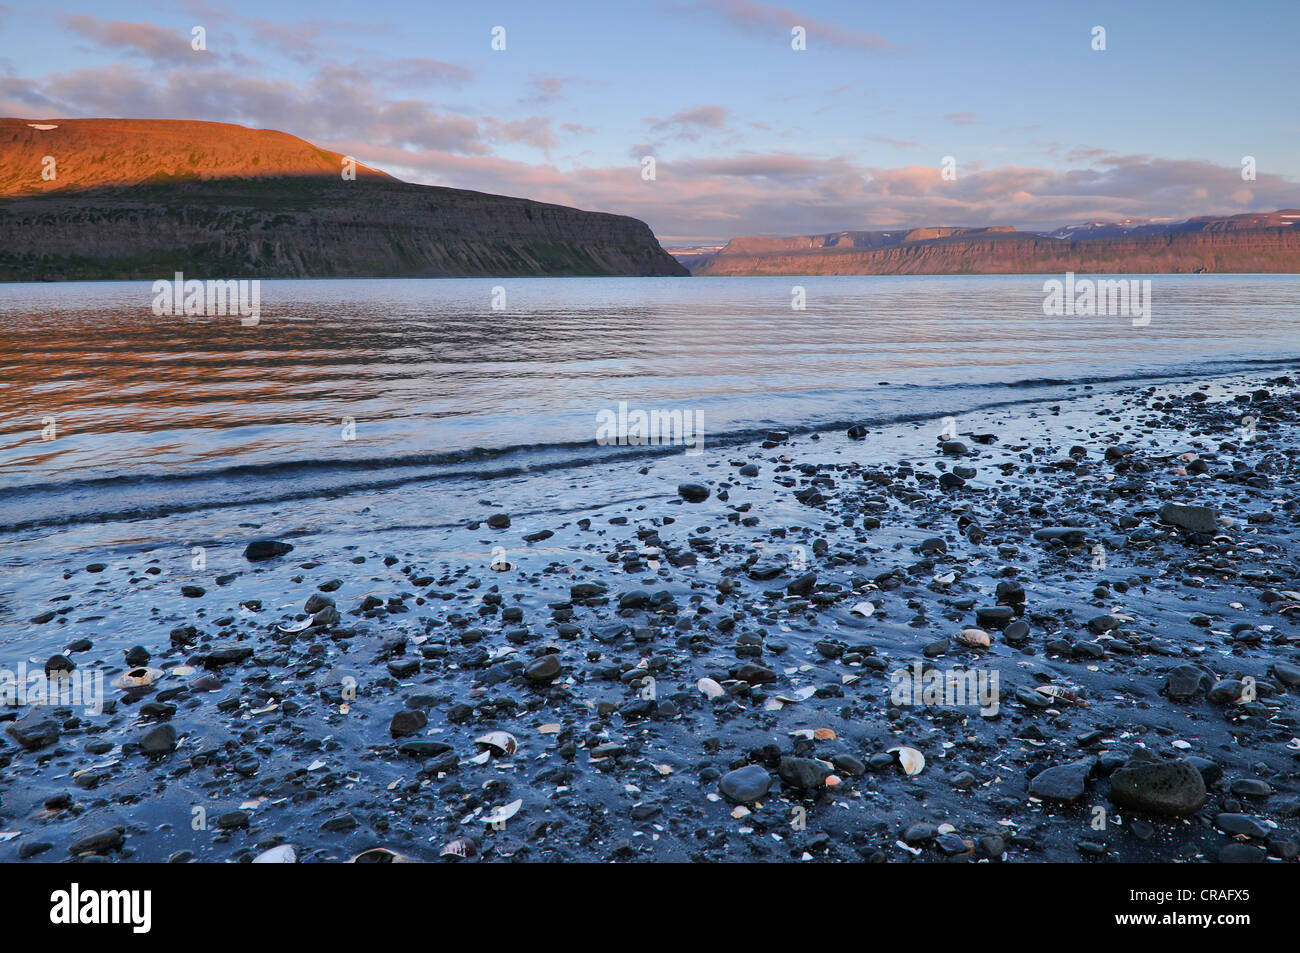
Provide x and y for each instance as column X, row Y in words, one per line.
column 145, row 198
column 1259, row 243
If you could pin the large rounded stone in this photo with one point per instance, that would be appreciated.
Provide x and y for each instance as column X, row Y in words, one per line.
column 1167, row 788
column 746, row 784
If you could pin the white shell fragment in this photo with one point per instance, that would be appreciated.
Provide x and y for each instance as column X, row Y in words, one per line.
column 799, row 695
column 502, row 742
column 380, row 855
column 284, row 854
column 138, row 677
column 504, row 812
column 863, row 609
column 911, row 760
column 710, row 688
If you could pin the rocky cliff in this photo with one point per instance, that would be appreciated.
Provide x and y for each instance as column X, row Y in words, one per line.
column 1263, row 242
column 145, row 198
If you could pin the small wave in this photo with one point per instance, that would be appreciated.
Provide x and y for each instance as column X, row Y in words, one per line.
column 137, row 497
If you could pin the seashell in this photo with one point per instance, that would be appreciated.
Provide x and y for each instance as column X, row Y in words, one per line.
column 824, row 734
column 710, row 688
column 911, row 760
column 1059, row 693
column 504, row 812
column 302, row 626
column 863, row 609
column 502, row 742
column 141, row 677
column 974, row 638
column 284, row 854
column 380, row 855
column 799, row 695
column 462, row 847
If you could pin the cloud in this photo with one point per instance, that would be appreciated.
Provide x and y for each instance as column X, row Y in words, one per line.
column 305, row 41
column 335, row 104
column 144, row 39
column 962, row 119
column 690, row 123
column 763, row 18
column 896, row 143
column 533, row 131
column 548, row 89
column 368, row 108
column 789, row 194
column 416, row 71
column 16, row 94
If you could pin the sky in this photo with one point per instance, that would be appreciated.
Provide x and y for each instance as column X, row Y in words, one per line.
column 749, row 136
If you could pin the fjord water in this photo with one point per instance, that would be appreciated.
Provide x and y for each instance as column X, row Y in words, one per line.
column 177, row 414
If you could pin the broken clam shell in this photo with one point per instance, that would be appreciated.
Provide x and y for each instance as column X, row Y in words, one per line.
column 974, row 638
column 504, row 812
column 502, row 742
column 141, row 677
column 462, row 847
column 911, row 760
column 284, row 854
column 380, row 855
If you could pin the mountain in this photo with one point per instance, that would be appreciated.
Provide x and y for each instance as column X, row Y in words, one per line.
column 1254, row 242
column 135, row 198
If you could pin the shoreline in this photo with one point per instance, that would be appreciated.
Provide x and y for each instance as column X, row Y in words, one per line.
column 635, row 770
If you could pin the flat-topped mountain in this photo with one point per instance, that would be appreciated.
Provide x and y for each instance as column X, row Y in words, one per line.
column 128, row 198
column 1253, row 242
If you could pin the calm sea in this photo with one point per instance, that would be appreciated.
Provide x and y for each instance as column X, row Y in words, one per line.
column 157, row 414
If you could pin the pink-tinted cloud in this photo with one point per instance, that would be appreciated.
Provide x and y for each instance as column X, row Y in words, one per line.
column 416, row 71
column 146, row 39
column 785, row 194
column 690, row 123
